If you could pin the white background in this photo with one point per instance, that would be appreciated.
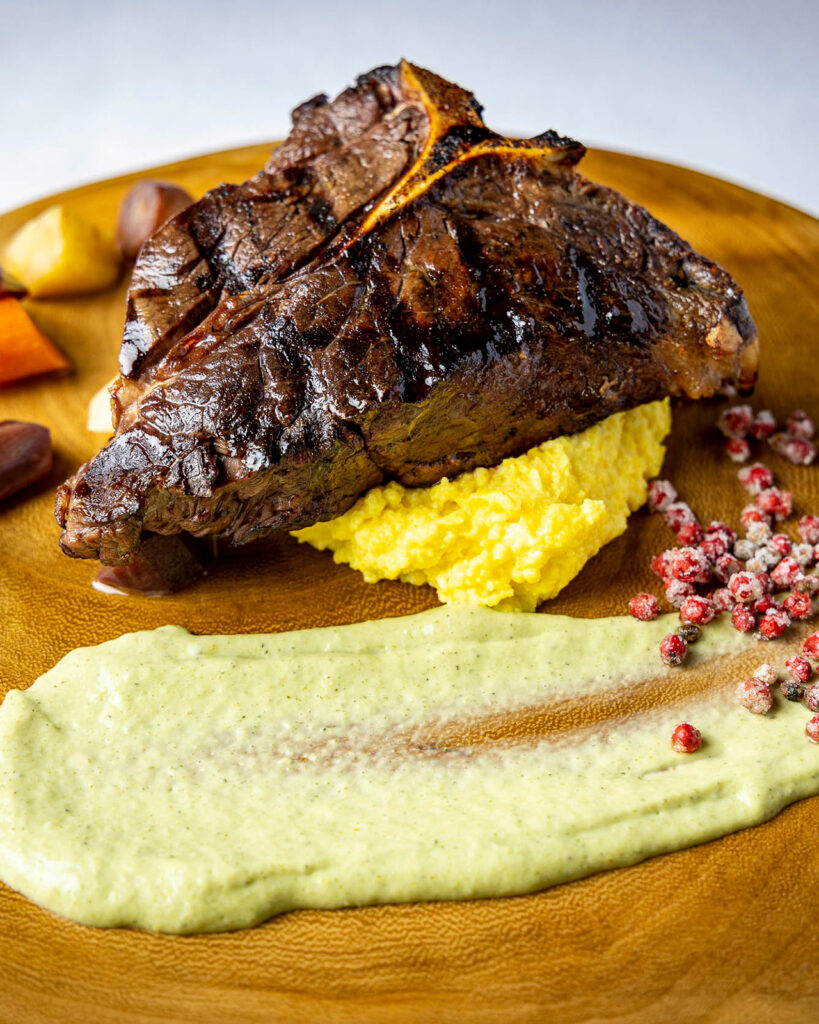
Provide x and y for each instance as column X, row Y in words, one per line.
column 92, row 88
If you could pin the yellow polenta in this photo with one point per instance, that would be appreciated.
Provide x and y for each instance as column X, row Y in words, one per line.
column 513, row 535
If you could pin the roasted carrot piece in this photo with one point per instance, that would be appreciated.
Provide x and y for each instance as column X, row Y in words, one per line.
column 24, row 350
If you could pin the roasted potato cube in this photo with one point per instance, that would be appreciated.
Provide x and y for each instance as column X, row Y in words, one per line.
column 59, row 253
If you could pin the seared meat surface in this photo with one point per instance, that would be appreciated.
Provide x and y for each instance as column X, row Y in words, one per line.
column 400, row 294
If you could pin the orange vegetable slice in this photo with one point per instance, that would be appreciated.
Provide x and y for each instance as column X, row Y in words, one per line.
column 24, row 350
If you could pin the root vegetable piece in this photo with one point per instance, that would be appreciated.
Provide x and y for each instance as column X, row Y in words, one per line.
column 24, row 350
column 163, row 565
column 99, row 411
column 59, row 253
column 146, row 207
column 25, row 455
column 9, row 285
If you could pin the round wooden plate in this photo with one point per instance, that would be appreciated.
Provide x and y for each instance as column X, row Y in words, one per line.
column 722, row 932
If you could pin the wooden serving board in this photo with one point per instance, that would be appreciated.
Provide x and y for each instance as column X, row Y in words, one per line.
column 723, row 932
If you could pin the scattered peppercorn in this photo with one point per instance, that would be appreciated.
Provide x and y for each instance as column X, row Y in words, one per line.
column 797, row 450
column 781, row 543
column 686, row 738
column 791, row 690
column 676, row 591
column 812, row 698
column 661, row 493
column 773, row 623
column 736, row 421
column 763, row 424
column 690, row 565
column 696, row 609
column 801, row 425
column 798, row 606
column 746, row 587
column 738, row 449
column 809, row 529
column 766, row 673
column 661, row 564
column 810, row 647
column 690, row 534
column 743, row 619
column 765, row 604
column 812, row 729
column 689, row 631
column 804, row 554
column 755, row 695
column 727, row 566
column 644, row 607
column 673, row 649
column 755, row 478
column 806, row 585
column 744, row 549
column 678, row 514
column 799, row 668
column 785, row 573
column 758, row 533
column 723, row 600
column 775, row 502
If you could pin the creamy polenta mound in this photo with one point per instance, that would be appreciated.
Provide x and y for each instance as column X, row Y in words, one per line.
column 513, row 535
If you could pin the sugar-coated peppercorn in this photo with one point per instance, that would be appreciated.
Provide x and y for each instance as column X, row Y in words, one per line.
column 661, row 493
column 810, row 647
column 746, row 587
column 678, row 514
column 755, row 478
column 801, row 425
column 736, row 421
column 727, row 566
column 763, row 424
column 785, row 573
column 676, row 591
column 797, row 450
column 812, row 729
column 744, row 549
column 690, row 565
column 767, row 673
column 686, row 738
column 755, row 695
column 799, row 668
column 804, row 555
column 808, row 584
column 775, row 502
column 743, row 618
column 809, row 529
column 723, row 599
column 673, row 649
column 738, row 449
column 661, row 564
column 773, row 623
column 812, row 698
column 781, row 543
column 758, row 533
column 765, row 604
column 698, row 610
column 690, row 535
column 798, row 606
column 644, row 607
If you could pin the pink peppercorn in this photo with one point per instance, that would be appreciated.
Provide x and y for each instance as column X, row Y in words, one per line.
column 690, row 565
column 690, row 535
column 678, row 514
column 797, row 450
column 716, row 528
column 763, row 424
column 661, row 564
column 723, row 600
column 801, row 425
column 799, row 668
column 765, row 582
column 806, row 584
column 738, row 449
column 753, row 514
column 755, row 695
column 766, row 673
column 812, row 698
column 686, row 738
column 736, row 421
column 676, row 591
column 758, row 533
column 746, row 587
column 803, row 553
column 673, row 649
column 765, row 604
column 809, row 529
column 785, row 573
column 743, row 619
column 713, row 546
column 755, row 478
column 644, row 607
column 661, row 493
column 775, row 502
column 726, row 567
column 812, row 729
column 773, row 623
column 798, row 606
column 698, row 610
column 810, row 647
column 781, row 543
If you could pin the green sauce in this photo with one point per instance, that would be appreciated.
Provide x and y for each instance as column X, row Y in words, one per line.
column 186, row 784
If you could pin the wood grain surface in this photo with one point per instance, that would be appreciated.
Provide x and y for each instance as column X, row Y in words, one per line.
column 723, row 932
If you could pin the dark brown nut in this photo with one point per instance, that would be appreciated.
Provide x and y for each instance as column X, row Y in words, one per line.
column 25, row 455
column 145, row 208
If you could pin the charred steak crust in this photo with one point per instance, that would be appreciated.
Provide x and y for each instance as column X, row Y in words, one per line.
column 400, row 294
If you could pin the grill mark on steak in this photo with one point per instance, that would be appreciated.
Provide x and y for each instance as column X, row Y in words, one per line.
column 473, row 297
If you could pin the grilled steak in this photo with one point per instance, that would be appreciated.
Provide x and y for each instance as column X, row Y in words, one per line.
column 400, row 294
